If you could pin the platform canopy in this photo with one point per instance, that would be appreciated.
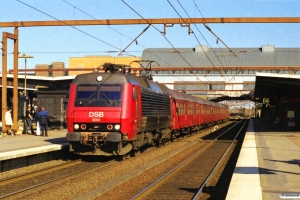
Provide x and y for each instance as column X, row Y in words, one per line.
column 270, row 87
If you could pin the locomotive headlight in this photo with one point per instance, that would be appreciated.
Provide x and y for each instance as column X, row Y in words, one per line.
column 76, row 126
column 99, row 78
column 117, row 127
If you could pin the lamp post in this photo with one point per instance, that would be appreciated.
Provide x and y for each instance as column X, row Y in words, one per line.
column 25, row 56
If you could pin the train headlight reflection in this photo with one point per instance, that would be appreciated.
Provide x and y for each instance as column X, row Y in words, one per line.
column 76, row 126
column 117, row 127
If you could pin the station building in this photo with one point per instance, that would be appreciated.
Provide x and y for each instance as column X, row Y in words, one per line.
column 78, row 64
column 217, row 72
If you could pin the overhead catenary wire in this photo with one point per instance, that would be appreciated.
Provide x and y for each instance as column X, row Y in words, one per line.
column 113, row 28
column 92, row 35
column 72, row 27
column 203, row 37
column 95, row 19
column 165, row 39
column 217, row 39
column 75, row 28
column 194, row 33
column 122, row 34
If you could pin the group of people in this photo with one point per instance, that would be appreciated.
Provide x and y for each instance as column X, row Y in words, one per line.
column 41, row 118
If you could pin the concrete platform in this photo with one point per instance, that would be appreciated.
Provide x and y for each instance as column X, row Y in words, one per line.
column 269, row 164
column 23, row 150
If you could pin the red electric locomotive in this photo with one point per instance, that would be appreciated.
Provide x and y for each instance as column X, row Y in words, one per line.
column 116, row 113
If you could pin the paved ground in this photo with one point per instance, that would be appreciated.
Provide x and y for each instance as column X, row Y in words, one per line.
column 268, row 164
column 17, row 142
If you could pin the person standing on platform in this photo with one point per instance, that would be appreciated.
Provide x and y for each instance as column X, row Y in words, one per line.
column 9, row 122
column 38, row 131
column 28, row 121
column 43, row 118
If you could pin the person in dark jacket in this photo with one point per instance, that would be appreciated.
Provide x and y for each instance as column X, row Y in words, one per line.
column 43, row 117
column 28, row 122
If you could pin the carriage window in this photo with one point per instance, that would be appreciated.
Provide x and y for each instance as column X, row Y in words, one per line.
column 180, row 108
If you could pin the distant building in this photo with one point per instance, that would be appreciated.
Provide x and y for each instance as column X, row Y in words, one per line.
column 214, row 72
column 81, row 63
column 46, row 69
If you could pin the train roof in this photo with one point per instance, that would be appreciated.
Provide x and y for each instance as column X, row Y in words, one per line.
column 119, row 78
column 187, row 97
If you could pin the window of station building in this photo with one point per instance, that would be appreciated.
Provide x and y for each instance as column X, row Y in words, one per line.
column 219, row 86
column 286, row 71
column 297, row 72
column 215, row 72
column 247, row 86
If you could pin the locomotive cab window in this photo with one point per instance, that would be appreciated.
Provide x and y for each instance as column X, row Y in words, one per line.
column 94, row 95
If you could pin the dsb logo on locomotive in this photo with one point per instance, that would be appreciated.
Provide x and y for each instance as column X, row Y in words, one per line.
column 96, row 114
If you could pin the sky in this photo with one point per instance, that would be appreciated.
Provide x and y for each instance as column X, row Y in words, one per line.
column 57, row 44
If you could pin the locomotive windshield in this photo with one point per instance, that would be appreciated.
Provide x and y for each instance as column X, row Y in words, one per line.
column 95, row 95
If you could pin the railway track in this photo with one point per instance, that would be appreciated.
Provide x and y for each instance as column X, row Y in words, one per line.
column 24, row 184
column 184, row 180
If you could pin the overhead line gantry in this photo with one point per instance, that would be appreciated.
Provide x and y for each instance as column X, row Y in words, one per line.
column 166, row 21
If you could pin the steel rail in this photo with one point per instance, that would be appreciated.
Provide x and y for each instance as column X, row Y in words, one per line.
column 216, row 166
column 24, row 175
column 53, row 180
column 152, row 185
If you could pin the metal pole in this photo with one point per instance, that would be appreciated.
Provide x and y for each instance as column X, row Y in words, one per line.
column 25, row 56
column 25, row 78
column 15, row 81
column 4, row 79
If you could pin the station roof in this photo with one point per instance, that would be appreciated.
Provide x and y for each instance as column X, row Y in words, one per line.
column 52, row 83
column 265, row 56
column 275, row 86
column 243, row 97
